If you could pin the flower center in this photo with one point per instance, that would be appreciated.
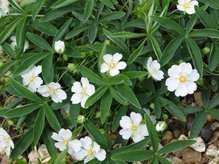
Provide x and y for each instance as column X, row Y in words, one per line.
column 90, row 152
column 52, row 91
column 66, row 142
column 134, row 128
column 182, row 79
column 112, row 65
column 83, row 92
column 187, row 5
column 32, row 79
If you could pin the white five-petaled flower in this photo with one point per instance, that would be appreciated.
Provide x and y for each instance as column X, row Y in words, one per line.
column 82, row 91
column 4, row 7
column 63, row 138
column 59, row 46
column 5, row 142
column 153, row 68
column 14, row 44
column 133, row 128
column 89, row 150
column 31, row 78
column 187, row 6
column 54, row 90
column 112, row 64
column 182, row 79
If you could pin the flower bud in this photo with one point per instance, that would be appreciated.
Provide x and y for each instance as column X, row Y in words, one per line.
column 80, row 119
column 59, row 46
column 161, row 126
column 73, row 67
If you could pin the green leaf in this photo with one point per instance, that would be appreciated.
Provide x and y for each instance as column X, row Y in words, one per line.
column 205, row 18
column 7, row 31
column 121, row 112
column 56, row 13
column 157, row 107
column 93, row 77
column 76, row 31
column 29, row 62
column 214, row 102
column 197, row 124
column 135, row 74
column 169, row 24
column 105, row 106
column 108, row 3
column 39, row 125
column 156, row 46
column 212, row 3
column 39, row 41
column 117, row 96
column 112, row 16
column 163, row 160
column 192, row 109
column 96, row 134
column 47, row 69
column 88, row 10
column 135, row 155
column 191, row 23
column 92, row 32
column 211, row 33
column 45, row 27
column 24, row 92
column 96, row 96
column 62, row 3
column 152, row 133
column 176, row 145
column 22, row 111
column 60, row 34
column 37, row 6
column 22, row 144
column 195, row 55
column 170, row 50
column 214, row 112
column 136, row 53
column 128, row 35
column 51, row 118
column 119, row 79
column 213, row 59
column 6, row 67
column 15, row 5
column 129, row 95
column 61, row 157
column 173, row 109
column 74, row 112
column 20, row 33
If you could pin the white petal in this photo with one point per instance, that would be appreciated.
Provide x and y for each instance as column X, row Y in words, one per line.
column 107, row 58
column 138, row 137
column 104, row 68
column 194, row 2
column 125, row 133
column 121, row 65
column 36, row 70
column 136, row 118
column 158, row 75
column 101, row 155
column 83, row 101
column 194, row 75
column 181, row 91
column 143, row 130
column 76, row 87
column 84, row 82
column 117, row 57
column 54, row 85
column 172, row 84
column 80, row 155
column 56, row 137
column 174, row 71
column 88, row 158
column 149, row 62
column 190, row 10
column 86, row 142
column 96, row 147
column 186, row 68
column 55, row 98
column 191, row 87
column 75, row 145
column 90, row 90
column 61, row 94
column 125, row 122
column 180, row 8
column 60, row 146
column 76, row 98
column 65, row 134
column 113, row 72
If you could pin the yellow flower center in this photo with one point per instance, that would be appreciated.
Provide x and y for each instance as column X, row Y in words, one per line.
column 112, row 65
column 134, row 128
column 187, row 5
column 90, row 152
column 52, row 91
column 66, row 142
column 83, row 92
column 182, row 79
column 32, row 79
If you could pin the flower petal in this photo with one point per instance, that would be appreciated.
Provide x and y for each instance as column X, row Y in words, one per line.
column 136, row 118
column 121, row 65
column 117, row 57
column 125, row 122
column 125, row 133
column 104, row 68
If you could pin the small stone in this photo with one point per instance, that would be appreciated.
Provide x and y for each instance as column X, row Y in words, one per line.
column 214, row 126
column 210, row 118
column 199, row 146
column 167, row 137
column 206, row 134
column 191, row 156
column 212, row 151
column 176, row 133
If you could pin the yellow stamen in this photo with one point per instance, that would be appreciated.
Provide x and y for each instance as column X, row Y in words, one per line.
column 52, row 91
column 134, row 128
column 83, row 92
column 187, row 5
column 182, row 79
column 90, row 152
column 32, row 79
column 112, row 65
column 66, row 142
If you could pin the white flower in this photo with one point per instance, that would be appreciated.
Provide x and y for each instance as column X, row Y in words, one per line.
column 89, row 150
column 112, row 64
column 187, row 5
column 54, row 90
column 59, row 46
column 182, row 79
column 82, row 91
column 152, row 117
column 161, row 126
column 4, row 7
column 5, row 142
column 14, row 44
column 153, row 68
column 132, row 127
column 63, row 139
column 31, row 78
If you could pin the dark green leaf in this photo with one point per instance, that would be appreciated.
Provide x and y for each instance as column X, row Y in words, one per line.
column 121, row 112
column 47, row 69
column 135, row 74
column 88, row 10
column 213, row 59
column 15, row 5
column 108, row 3
column 112, row 16
column 214, row 102
column 37, row 6
column 92, row 32
column 117, row 96
column 197, row 124
column 61, row 157
column 211, row 33
column 6, row 67
column 191, row 109
column 62, row 3
column 45, row 27
column 156, row 47
column 105, row 106
column 136, row 53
